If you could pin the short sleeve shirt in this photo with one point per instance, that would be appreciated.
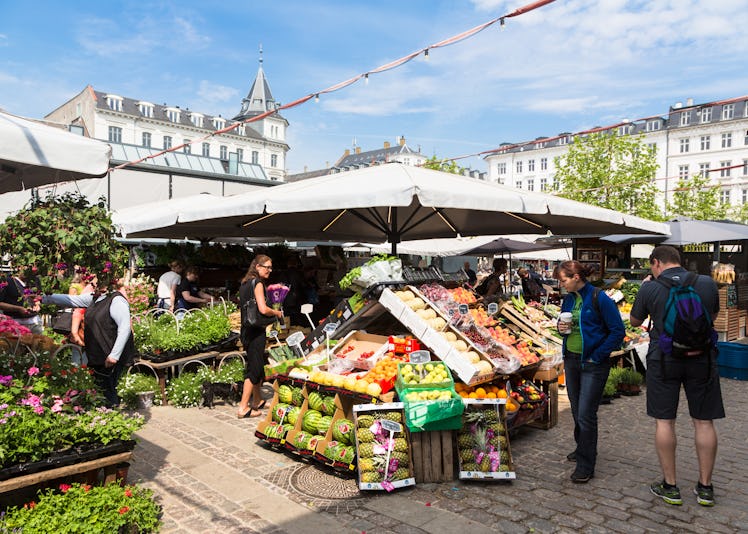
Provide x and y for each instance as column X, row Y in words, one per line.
column 168, row 279
column 652, row 297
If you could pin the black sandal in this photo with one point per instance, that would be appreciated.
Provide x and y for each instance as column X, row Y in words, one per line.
column 261, row 405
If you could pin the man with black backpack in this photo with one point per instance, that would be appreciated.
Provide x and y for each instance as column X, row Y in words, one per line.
column 682, row 351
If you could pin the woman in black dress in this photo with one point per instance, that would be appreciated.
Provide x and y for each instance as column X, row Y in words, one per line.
column 253, row 337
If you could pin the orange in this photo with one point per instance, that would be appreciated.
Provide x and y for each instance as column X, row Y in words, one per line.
column 463, row 394
column 491, row 395
column 473, row 395
column 501, row 394
column 480, row 393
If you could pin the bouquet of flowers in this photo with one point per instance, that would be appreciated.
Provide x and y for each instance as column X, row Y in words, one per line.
column 276, row 295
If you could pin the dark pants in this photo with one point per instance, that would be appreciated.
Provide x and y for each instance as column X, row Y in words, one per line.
column 106, row 380
column 584, row 386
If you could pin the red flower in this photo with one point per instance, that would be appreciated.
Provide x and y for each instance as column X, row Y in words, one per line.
column 65, row 487
column 128, row 493
column 124, row 510
column 86, row 487
column 48, row 373
column 63, row 372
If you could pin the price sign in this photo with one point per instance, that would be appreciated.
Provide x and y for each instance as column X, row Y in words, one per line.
column 391, row 426
column 329, row 328
column 420, row 356
column 492, row 308
column 273, row 333
column 294, row 339
column 463, row 309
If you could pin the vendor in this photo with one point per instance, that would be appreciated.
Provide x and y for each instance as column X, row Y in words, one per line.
column 493, row 286
column 189, row 294
column 168, row 284
column 532, row 288
column 14, row 304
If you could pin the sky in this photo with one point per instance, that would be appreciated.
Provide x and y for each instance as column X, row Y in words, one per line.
column 565, row 67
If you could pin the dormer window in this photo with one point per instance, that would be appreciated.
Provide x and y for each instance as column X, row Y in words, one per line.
column 653, row 125
column 114, row 102
column 706, row 115
column 173, row 114
column 563, row 140
column 197, row 119
column 146, row 109
column 218, row 123
column 728, row 111
column 240, row 130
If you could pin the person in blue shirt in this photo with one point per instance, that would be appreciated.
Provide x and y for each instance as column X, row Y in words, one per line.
column 597, row 331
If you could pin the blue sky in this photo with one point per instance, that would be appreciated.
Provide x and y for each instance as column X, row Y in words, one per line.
column 567, row 66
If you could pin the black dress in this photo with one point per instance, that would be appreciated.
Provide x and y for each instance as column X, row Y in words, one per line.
column 252, row 337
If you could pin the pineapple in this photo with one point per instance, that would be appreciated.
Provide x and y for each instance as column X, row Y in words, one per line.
column 504, row 457
column 365, row 450
column 470, row 466
column 401, row 445
column 474, row 416
column 400, row 474
column 497, row 428
column 394, row 416
column 465, row 440
column 481, row 445
column 365, row 421
column 491, row 416
column 371, row 476
column 485, row 464
column 402, row 458
column 364, row 435
column 366, row 464
column 467, row 455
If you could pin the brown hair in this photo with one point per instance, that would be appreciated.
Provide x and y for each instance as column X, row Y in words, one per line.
column 176, row 264
column 252, row 271
column 665, row 254
column 499, row 264
column 572, row 267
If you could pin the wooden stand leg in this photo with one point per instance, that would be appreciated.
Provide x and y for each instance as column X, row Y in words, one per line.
column 549, row 418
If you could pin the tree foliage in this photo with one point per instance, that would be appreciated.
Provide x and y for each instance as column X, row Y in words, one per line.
column 443, row 165
column 611, row 171
column 696, row 197
column 59, row 230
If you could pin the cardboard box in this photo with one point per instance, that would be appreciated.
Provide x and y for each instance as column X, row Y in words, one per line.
column 508, row 473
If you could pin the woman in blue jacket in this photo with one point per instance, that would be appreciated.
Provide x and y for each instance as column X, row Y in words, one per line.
column 597, row 330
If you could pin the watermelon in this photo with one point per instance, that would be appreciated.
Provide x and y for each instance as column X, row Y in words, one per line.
column 287, row 428
column 285, row 394
column 328, row 405
column 301, row 440
column 331, row 450
column 342, row 431
column 324, row 424
column 346, row 454
column 293, row 415
column 279, row 411
column 297, row 397
column 312, row 444
column 315, row 401
column 310, row 421
column 273, row 430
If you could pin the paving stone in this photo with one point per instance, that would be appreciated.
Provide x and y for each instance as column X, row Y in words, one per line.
column 510, row 527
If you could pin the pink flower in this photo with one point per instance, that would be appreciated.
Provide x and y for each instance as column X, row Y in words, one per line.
column 57, row 406
column 33, row 371
column 39, row 410
column 65, row 487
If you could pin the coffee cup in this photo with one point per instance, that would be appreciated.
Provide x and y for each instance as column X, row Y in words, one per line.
column 564, row 323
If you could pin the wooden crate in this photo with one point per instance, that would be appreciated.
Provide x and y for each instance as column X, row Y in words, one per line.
column 727, row 320
column 433, row 456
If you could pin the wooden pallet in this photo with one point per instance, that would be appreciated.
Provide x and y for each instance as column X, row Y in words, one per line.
column 433, row 456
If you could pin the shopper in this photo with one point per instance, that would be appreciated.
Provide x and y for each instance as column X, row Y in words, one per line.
column 666, row 373
column 253, row 337
column 167, row 285
column 189, row 294
column 494, row 285
column 596, row 331
column 472, row 278
column 108, row 338
column 15, row 304
column 532, row 288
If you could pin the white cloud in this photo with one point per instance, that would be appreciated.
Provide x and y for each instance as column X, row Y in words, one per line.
column 212, row 92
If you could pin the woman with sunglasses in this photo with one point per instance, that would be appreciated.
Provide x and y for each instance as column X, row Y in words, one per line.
column 253, row 337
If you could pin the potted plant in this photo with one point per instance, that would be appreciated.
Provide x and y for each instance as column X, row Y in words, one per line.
column 80, row 508
column 614, row 378
column 609, row 392
column 138, row 390
column 631, row 380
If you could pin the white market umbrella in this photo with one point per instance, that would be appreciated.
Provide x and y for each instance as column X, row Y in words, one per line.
column 33, row 154
column 395, row 202
column 684, row 231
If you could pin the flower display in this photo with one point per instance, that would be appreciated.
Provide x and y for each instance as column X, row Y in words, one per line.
column 140, row 291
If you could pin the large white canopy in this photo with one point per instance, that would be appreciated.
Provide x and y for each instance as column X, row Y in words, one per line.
column 34, row 154
column 393, row 202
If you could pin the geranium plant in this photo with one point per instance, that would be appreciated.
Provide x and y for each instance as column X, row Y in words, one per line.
column 140, row 290
column 77, row 508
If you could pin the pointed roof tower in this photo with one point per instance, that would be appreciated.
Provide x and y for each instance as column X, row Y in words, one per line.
column 259, row 99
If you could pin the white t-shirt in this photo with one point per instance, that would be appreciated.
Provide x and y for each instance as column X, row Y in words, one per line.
column 165, row 283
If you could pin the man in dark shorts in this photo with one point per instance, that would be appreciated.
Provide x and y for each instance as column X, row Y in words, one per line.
column 665, row 375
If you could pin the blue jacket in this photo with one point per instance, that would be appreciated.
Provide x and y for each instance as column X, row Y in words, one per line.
column 597, row 340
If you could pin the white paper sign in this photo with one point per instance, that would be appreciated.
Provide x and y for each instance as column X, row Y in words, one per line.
column 420, row 356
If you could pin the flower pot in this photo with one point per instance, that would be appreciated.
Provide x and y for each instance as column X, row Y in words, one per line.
column 121, row 473
column 145, row 399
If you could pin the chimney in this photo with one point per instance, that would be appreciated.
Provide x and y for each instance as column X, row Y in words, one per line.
column 306, row 169
column 346, row 153
column 678, row 105
column 402, row 140
column 386, row 144
column 358, row 150
column 689, row 102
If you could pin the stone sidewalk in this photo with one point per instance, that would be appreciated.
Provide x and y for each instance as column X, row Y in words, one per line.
column 212, row 475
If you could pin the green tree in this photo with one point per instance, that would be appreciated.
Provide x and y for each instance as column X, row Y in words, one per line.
column 611, row 171
column 696, row 197
column 443, row 165
column 59, row 230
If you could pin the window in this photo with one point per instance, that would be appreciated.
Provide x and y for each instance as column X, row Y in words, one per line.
column 223, row 152
column 187, row 147
column 197, row 120
column 273, row 160
column 556, row 183
column 724, row 196
column 519, row 166
column 745, row 167
column 172, row 114
column 683, row 171
column 624, row 130
column 653, row 147
column 147, row 139
column 728, row 111
column 685, row 118
column 146, row 110
column 684, row 145
column 726, row 140
column 543, row 184
column 653, row 126
column 115, row 134
column 501, row 168
column 745, row 196
column 218, row 123
column 563, row 140
column 240, row 130
column 724, row 171
column 543, row 164
column 531, row 185
column 541, row 144
column 255, row 157
column 114, row 102
column 167, row 142
column 704, row 169
column 706, row 114
column 705, row 142
column 240, row 154
column 518, row 184
column 745, row 139
column 206, row 150
column 531, row 165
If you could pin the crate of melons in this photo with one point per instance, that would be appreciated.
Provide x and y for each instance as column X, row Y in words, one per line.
column 431, row 375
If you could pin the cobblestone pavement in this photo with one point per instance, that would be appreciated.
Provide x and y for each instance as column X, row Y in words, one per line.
column 212, row 475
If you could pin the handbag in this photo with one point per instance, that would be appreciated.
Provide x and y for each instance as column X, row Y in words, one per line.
column 62, row 323
column 252, row 315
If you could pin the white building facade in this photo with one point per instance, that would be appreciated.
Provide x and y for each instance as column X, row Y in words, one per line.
column 710, row 138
